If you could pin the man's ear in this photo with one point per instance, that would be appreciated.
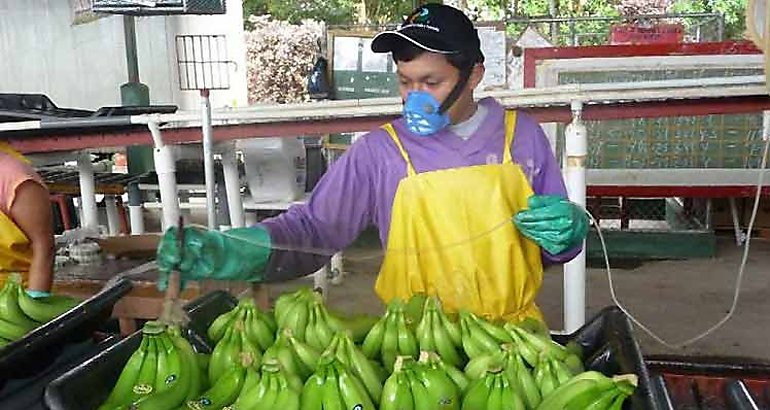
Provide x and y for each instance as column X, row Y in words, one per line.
column 477, row 74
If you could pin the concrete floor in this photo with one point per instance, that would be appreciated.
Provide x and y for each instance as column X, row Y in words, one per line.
column 675, row 299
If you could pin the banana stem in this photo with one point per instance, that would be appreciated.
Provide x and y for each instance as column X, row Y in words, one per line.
column 174, row 287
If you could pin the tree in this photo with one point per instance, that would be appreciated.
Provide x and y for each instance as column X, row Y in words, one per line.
column 734, row 12
column 294, row 11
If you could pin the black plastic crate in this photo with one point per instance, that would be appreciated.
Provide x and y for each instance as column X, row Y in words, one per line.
column 729, row 383
column 27, row 394
column 86, row 386
column 35, row 351
column 609, row 346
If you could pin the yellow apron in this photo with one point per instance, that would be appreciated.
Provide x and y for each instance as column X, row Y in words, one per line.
column 451, row 235
column 15, row 250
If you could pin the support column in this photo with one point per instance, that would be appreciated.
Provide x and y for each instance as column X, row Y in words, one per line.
column 576, row 148
column 87, row 191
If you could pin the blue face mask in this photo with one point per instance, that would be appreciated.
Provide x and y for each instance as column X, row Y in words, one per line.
column 422, row 114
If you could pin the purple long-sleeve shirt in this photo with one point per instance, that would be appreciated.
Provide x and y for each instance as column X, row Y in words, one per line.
column 358, row 190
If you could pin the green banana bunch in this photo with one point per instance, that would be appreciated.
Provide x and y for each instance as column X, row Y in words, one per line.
column 435, row 332
column 533, row 345
column 14, row 323
column 296, row 357
column 591, row 390
column 435, row 361
column 228, row 351
column 333, row 386
column 178, row 377
column 390, row 337
column 355, row 362
column 161, row 374
column 44, row 310
column 550, row 373
column 260, row 326
column 226, row 389
column 479, row 336
column 493, row 391
column 397, row 390
column 274, row 388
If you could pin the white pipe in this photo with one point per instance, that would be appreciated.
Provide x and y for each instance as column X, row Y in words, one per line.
column 165, row 167
column 87, row 191
column 113, row 219
column 208, row 159
column 576, row 147
column 337, row 269
column 135, row 209
column 233, row 186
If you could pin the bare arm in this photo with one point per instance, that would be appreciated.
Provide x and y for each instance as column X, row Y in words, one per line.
column 31, row 211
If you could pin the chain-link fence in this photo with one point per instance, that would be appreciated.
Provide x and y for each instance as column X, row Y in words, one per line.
column 585, row 31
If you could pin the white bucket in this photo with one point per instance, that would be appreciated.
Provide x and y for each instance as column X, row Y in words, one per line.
column 275, row 168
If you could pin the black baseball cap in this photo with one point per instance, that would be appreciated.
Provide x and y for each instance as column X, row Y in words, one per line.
column 436, row 28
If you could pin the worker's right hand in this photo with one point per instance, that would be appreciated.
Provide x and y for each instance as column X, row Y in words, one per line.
column 236, row 254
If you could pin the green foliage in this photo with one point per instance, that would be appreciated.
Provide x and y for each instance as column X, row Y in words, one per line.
column 733, row 10
column 294, row 11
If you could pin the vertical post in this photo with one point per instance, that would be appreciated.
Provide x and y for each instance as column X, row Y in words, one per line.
column 165, row 167
column 87, row 191
column 113, row 219
column 721, row 27
column 129, row 36
column 233, row 186
column 208, row 160
column 135, row 210
column 576, row 148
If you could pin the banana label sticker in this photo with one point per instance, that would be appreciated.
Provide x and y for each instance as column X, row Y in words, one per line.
column 142, row 389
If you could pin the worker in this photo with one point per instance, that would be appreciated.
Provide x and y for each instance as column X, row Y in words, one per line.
column 26, row 227
column 468, row 197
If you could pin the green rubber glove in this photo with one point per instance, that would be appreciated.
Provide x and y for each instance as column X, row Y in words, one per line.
column 552, row 222
column 236, row 254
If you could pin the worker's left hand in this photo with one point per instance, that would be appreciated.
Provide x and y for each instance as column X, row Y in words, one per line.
column 552, row 222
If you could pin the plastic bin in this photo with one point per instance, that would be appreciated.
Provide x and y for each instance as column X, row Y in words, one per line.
column 731, row 383
column 34, row 352
column 86, row 386
column 27, row 394
column 609, row 347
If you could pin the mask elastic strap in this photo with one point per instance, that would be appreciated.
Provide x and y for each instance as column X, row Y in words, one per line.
column 465, row 75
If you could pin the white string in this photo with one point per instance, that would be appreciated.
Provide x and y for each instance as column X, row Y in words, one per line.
column 738, row 281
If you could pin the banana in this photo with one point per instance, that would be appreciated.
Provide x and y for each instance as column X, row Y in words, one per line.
column 444, row 345
column 495, row 399
column 223, row 393
column 288, row 397
column 217, row 328
column 582, row 400
column 407, row 343
column 268, row 318
column 45, row 309
column 258, row 332
column 546, row 380
column 452, row 328
column 562, row 395
column 469, row 344
column 121, row 392
column 187, row 354
column 396, row 393
column 456, row 375
column 285, row 302
column 353, row 392
column 617, row 404
column 296, row 319
column 510, row 399
column 526, row 383
column 497, row 333
column 312, row 392
column 250, row 396
column 323, row 329
column 161, row 363
column 560, row 370
column 477, row 394
column 603, row 401
column 539, row 343
column 9, row 307
column 480, row 365
column 144, row 383
column 311, row 335
column 331, row 398
column 12, row 331
column 389, row 349
column 225, row 354
column 420, row 393
column 176, row 385
column 530, row 355
column 423, row 330
column 574, row 363
column 363, row 370
column 372, row 343
column 307, row 356
column 441, row 390
column 479, row 336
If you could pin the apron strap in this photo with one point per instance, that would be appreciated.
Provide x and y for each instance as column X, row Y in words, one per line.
column 7, row 149
column 392, row 132
column 510, row 131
